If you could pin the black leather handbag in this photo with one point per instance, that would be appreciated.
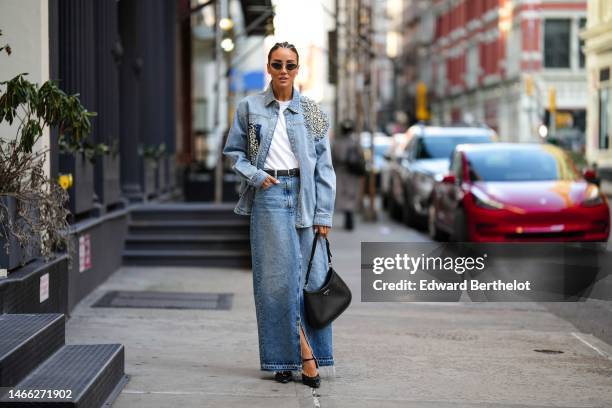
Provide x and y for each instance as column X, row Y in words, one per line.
column 324, row 305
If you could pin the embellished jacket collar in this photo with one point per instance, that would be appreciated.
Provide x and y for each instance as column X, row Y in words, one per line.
column 294, row 106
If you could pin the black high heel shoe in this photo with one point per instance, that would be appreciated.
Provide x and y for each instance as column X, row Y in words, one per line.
column 314, row 382
column 283, row 376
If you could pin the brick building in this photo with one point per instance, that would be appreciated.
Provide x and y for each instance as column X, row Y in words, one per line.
column 495, row 61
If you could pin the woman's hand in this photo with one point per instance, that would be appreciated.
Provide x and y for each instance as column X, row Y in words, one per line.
column 322, row 229
column 269, row 181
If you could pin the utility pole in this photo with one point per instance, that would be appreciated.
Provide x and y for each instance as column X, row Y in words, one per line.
column 336, row 60
column 223, row 30
column 369, row 56
column 356, row 92
column 218, row 61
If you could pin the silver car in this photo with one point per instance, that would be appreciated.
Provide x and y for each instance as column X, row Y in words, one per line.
column 426, row 159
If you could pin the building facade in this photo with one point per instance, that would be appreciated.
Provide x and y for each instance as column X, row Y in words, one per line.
column 598, row 37
column 498, row 62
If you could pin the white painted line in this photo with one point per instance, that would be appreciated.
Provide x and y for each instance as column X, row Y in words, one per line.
column 202, row 393
column 315, row 399
column 600, row 352
column 164, row 392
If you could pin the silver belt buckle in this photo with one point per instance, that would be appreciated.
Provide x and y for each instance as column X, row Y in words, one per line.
column 275, row 174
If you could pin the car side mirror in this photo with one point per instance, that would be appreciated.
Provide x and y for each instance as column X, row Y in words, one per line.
column 449, row 179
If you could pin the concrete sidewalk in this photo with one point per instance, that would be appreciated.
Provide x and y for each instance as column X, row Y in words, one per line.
column 387, row 354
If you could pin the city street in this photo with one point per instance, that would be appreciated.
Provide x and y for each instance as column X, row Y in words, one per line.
column 387, row 354
column 133, row 133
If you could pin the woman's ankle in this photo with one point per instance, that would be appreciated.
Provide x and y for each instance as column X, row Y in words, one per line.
column 309, row 368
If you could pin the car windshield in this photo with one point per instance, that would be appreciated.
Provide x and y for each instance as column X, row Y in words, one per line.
column 520, row 165
column 441, row 147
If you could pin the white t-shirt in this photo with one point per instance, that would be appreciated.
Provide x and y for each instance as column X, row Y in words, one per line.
column 280, row 156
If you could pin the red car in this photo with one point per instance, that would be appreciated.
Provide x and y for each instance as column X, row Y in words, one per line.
column 517, row 192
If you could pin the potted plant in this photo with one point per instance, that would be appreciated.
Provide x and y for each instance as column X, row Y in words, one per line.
column 33, row 217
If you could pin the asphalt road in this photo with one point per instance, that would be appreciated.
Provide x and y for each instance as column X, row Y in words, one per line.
column 591, row 315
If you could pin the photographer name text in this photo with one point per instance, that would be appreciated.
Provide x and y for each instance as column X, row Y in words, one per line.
column 432, row 285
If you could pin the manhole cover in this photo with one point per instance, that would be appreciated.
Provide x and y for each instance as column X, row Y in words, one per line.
column 166, row 300
column 546, row 351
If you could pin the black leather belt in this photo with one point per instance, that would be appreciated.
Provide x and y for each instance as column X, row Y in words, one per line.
column 290, row 172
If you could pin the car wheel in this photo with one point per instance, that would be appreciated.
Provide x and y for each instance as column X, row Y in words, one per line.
column 432, row 229
column 394, row 210
column 460, row 229
column 410, row 216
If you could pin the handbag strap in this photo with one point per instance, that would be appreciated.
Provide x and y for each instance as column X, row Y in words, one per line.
column 312, row 252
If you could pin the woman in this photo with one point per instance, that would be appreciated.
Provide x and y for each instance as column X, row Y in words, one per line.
column 280, row 149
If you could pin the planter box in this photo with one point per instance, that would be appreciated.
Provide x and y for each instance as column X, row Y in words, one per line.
column 107, row 184
column 162, row 174
column 38, row 287
column 17, row 255
column 82, row 191
column 99, row 245
column 201, row 187
column 149, row 174
column 172, row 181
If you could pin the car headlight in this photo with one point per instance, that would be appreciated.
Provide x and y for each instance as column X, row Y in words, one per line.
column 593, row 197
column 484, row 201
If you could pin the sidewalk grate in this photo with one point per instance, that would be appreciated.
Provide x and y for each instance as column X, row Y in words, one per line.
column 165, row 300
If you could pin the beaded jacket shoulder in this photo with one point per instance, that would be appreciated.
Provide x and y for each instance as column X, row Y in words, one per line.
column 316, row 120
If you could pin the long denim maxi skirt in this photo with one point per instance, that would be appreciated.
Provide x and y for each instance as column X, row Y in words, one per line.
column 280, row 254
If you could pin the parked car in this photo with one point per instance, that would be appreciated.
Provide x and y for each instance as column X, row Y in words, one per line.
column 517, row 192
column 426, row 157
column 399, row 141
column 382, row 143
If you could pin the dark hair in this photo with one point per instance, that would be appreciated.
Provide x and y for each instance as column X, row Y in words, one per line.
column 283, row 45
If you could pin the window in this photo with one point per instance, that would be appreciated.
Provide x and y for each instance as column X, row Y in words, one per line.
column 520, row 164
column 441, row 77
column 557, row 43
column 605, row 116
column 473, row 66
column 581, row 60
column 456, row 166
column 411, row 149
column 441, row 147
column 513, row 56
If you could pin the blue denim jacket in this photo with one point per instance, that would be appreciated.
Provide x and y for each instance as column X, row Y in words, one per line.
column 249, row 140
